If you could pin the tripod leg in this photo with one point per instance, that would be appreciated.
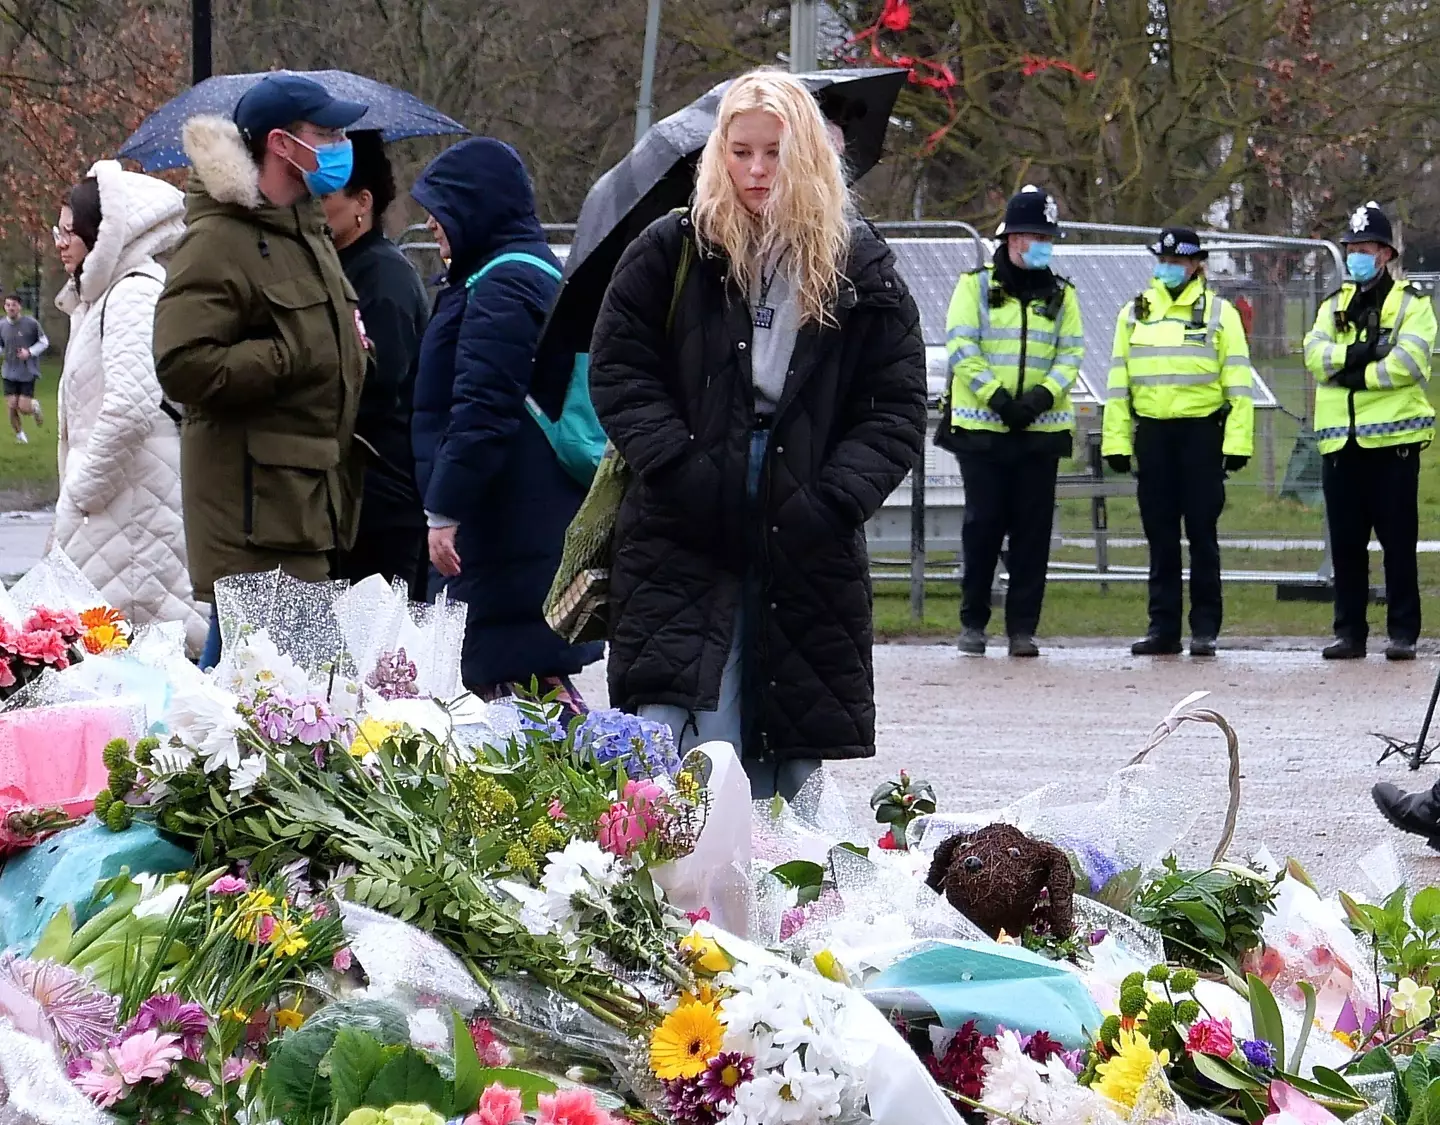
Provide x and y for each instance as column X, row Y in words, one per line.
column 1420, row 752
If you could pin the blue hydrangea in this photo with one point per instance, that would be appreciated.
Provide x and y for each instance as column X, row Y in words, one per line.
column 643, row 748
column 1259, row 1053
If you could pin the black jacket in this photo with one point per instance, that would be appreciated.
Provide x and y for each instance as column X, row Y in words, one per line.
column 680, row 410
column 394, row 308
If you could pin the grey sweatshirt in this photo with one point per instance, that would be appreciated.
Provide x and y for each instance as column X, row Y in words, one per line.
column 773, row 347
column 23, row 332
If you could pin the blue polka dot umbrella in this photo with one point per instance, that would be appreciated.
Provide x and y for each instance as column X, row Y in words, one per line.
column 156, row 145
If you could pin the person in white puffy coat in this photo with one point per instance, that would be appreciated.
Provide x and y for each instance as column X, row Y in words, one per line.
column 118, row 514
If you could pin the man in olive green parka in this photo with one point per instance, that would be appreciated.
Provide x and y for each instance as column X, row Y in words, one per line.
column 258, row 335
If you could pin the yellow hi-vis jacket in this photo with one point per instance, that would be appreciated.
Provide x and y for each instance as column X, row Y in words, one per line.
column 1180, row 357
column 1392, row 409
column 989, row 343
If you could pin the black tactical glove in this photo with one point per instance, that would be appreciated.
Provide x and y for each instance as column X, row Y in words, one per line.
column 1012, row 413
column 1351, row 378
column 1233, row 463
column 1358, row 354
column 1118, row 462
column 1039, row 399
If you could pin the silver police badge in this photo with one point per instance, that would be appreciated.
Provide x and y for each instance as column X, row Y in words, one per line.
column 1360, row 219
column 1169, row 241
column 1052, row 209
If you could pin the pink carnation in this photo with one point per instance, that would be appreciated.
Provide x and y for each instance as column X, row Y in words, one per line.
column 265, row 930
column 9, row 635
column 229, row 885
column 63, row 621
column 488, row 1047
column 42, row 646
column 1211, row 1037
column 621, row 829
column 342, row 960
column 575, row 1106
column 498, row 1106
column 7, row 673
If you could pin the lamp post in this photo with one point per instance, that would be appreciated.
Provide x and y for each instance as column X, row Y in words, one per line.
column 645, row 108
column 804, row 32
column 200, row 67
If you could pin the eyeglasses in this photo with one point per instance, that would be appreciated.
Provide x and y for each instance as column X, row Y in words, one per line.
column 62, row 237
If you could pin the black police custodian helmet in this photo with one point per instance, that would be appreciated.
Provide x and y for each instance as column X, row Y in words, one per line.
column 1031, row 211
column 1181, row 242
column 1369, row 224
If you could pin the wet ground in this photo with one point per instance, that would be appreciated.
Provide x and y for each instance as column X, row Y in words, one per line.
column 988, row 731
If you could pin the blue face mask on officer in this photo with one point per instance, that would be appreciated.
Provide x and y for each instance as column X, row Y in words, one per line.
column 1037, row 256
column 334, row 162
column 1170, row 274
column 1364, row 268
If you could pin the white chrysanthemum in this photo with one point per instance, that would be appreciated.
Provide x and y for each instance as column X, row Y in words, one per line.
column 247, row 775
column 1013, row 1082
column 788, row 1095
column 257, row 663
column 204, row 718
column 581, row 869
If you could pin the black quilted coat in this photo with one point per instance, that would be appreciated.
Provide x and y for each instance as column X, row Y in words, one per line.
column 680, row 410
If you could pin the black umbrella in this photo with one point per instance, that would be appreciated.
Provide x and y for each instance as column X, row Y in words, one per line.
column 157, row 144
column 658, row 175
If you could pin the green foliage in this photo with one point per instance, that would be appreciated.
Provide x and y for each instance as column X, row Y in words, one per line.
column 1133, row 1001
column 145, row 749
column 804, row 876
column 296, row 1087
column 1208, row 919
column 899, row 803
column 103, row 800
column 1406, row 938
column 116, row 751
column 118, row 816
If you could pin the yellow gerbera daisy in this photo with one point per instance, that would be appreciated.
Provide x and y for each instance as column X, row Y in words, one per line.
column 684, row 1044
column 1121, row 1077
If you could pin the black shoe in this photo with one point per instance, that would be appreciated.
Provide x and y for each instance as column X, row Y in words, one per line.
column 1202, row 646
column 1344, row 648
column 1400, row 650
column 1417, row 813
column 1154, row 645
column 972, row 642
column 1022, row 644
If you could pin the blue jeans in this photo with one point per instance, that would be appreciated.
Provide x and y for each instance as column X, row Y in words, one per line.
column 768, row 777
column 211, row 656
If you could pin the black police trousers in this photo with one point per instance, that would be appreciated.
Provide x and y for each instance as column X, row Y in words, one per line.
column 1180, row 464
column 1015, row 496
column 1379, row 490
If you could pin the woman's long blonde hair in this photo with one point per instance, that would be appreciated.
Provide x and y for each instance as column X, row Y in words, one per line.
column 809, row 209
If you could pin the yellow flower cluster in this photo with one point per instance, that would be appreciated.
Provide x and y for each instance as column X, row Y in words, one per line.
column 369, row 736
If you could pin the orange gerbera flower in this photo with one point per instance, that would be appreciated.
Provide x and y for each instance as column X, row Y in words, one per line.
column 104, row 638
column 101, row 615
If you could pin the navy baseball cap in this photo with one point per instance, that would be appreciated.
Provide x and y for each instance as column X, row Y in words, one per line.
column 280, row 100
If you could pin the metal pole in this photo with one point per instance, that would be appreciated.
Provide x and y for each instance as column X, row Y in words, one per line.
column 917, row 542
column 645, row 108
column 200, row 65
column 804, row 31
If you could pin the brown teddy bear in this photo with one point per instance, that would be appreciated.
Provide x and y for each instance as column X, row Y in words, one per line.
column 1001, row 879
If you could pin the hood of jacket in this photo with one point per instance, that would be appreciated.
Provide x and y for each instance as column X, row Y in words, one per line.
column 226, row 180
column 141, row 218
column 481, row 195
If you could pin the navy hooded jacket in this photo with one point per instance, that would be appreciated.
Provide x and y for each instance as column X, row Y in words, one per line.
column 480, row 459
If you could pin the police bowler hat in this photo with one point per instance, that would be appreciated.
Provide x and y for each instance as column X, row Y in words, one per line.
column 1181, row 242
column 280, row 100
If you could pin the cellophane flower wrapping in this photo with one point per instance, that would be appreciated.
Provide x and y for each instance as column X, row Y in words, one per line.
column 55, row 582
column 296, row 616
column 379, row 623
column 34, row 1089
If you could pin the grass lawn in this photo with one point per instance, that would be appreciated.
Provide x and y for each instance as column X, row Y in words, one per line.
column 28, row 473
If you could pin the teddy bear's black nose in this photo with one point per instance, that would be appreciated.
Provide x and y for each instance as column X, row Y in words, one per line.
column 973, row 863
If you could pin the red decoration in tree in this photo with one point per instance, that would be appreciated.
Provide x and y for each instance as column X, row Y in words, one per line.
column 933, row 75
column 1032, row 65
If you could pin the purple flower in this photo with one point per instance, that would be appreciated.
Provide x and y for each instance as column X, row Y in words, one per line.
column 792, row 922
column 725, row 1074
column 169, row 1014
column 644, row 748
column 1259, row 1054
column 394, row 676
column 83, row 1016
column 686, row 1102
column 314, row 721
column 272, row 718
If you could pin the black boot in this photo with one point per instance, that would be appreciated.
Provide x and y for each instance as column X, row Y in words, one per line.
column 1023, row 645
column 1202, row 646
column 972, row 642
column 1154, row 645
column 1416, row 813
column 1344, row 648
column 1400, row 650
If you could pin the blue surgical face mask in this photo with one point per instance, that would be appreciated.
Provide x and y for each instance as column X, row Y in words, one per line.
column 333, row 164
column 1170, row 274
column 1363, row 267
column 1038, row 256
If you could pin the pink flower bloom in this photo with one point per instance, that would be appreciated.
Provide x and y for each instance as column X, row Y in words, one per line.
column 7, row 673
column 62, row 621
column 342, row 960
column 701, row 915
column 146, row 1055
column 556, row 809
column 492, row 1052
column 200, row 1086
column 168, row 1013
column 102, row 1085
column 621, row 829
column 499, row 1105
column 233, row 1070
column 313, row 721
column 575, row 1106
column 228, row 885
column 9, row 635
column 265, row 930
column 1211, row 1037
column 43, row 646
column 319, row 910
column 792, row 922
